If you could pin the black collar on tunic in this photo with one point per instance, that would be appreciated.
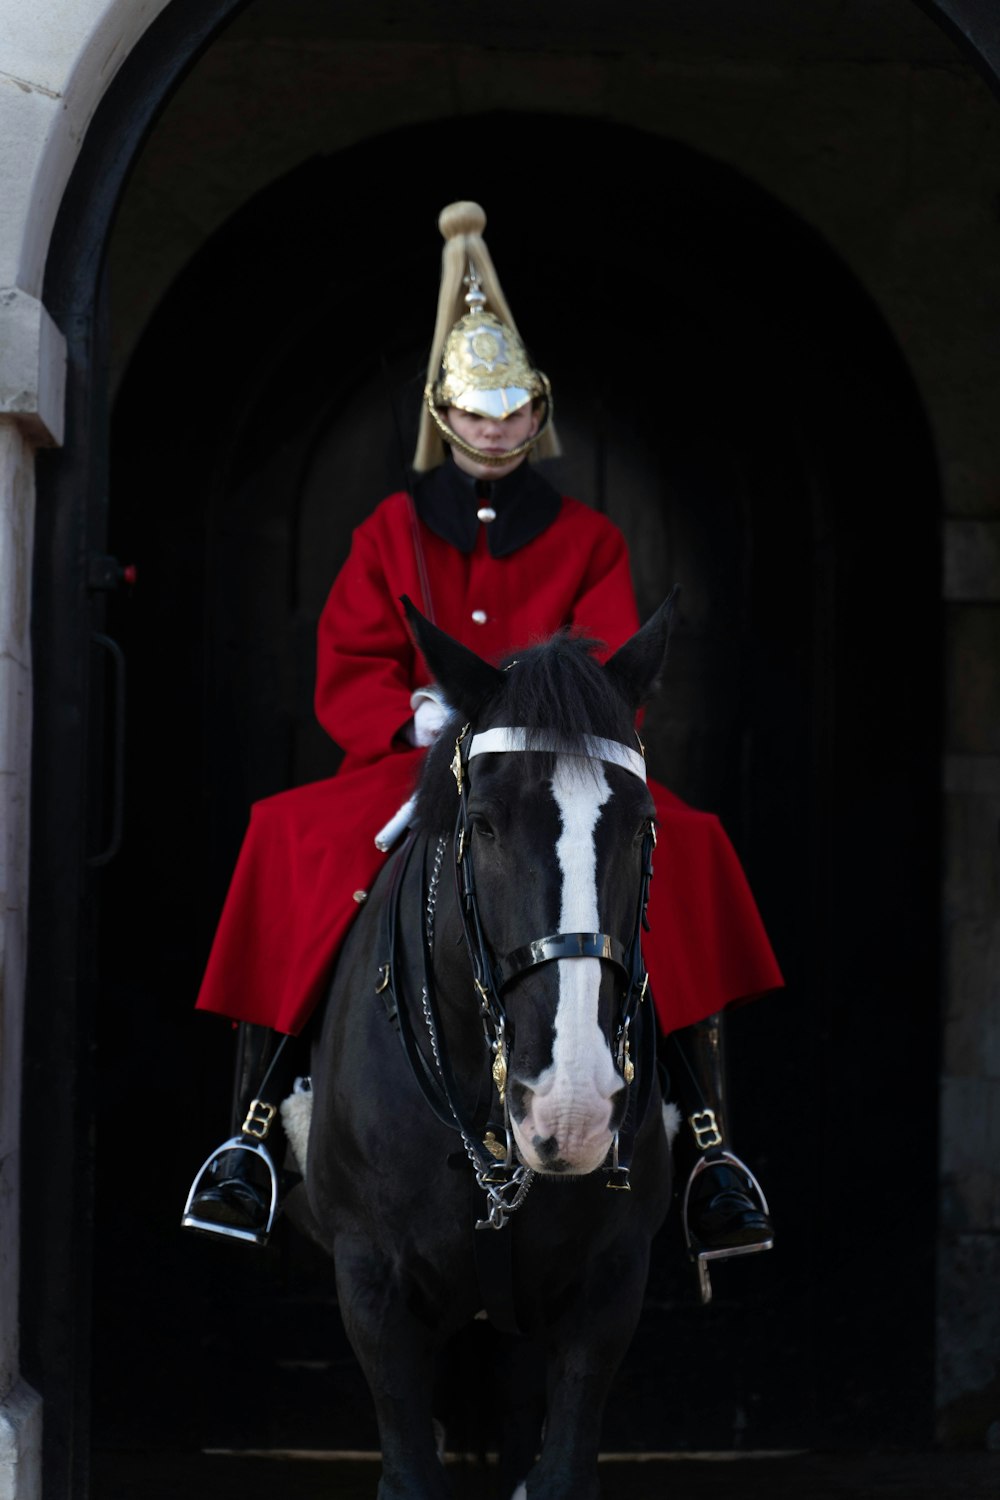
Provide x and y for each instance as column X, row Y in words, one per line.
column 447, row 500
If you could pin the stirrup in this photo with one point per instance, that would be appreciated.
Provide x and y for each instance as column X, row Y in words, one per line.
column 190, row 1220
column 698, row 1253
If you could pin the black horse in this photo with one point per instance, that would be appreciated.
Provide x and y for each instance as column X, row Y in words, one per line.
column 470, row 1167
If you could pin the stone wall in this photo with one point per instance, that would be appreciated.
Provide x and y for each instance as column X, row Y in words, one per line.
column 859, row 117
column 20, row 1409
column 55, row 63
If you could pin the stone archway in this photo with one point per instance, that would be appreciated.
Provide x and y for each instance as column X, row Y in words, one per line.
column 149, row 54
column 72, row 123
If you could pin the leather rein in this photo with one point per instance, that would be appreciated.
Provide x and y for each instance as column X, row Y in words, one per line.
column 506, row 1182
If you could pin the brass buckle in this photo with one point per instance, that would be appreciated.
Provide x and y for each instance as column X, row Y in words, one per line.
column 260, row 1117
column 383, row 982
column 706, row 1129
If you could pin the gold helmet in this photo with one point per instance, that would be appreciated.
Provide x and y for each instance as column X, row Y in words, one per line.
column 478, row 362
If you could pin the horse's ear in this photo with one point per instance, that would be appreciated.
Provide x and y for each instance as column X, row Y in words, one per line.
column 465, row 678
column 638, row 665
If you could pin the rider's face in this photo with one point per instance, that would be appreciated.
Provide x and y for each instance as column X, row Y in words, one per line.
column 491, row 435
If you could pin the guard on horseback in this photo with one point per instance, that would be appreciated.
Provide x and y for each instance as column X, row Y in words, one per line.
column 497, row 558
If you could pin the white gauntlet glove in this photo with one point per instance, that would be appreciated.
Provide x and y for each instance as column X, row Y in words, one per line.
column 430, row 713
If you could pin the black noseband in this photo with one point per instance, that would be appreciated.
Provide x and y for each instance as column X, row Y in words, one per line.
column 559, row 945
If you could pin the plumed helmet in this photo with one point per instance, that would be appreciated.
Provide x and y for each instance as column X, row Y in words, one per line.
column 478, row 361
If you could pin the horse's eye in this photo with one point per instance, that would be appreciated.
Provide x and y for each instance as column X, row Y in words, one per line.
column 482, row 826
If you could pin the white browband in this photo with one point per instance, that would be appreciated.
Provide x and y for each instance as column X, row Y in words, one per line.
column 497, row 741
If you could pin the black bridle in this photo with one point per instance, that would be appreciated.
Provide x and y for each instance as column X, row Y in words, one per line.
column 493, row 974
column 504, row 1181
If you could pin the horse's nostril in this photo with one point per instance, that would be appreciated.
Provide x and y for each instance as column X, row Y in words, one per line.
column 547, row 1148
column 519, row 1098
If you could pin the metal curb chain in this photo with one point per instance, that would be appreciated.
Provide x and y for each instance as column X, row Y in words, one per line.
column 499, row 1207
column 502, row 1198
column 432, row 891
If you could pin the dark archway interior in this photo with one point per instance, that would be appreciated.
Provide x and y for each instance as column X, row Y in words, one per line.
column 726, row 392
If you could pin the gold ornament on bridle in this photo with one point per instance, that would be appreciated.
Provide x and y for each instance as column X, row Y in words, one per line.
column 478, row 361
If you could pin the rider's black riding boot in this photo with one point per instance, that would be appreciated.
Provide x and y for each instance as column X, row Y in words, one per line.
column 235, row 1193
column 724, row 1209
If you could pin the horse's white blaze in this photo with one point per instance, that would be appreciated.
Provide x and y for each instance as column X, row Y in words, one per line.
column 520, row 1493
column 570, row 1100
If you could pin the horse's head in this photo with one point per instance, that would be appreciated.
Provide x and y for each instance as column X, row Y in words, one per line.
column 557, row 818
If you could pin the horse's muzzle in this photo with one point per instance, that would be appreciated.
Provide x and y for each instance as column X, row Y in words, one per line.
column 564, row 1132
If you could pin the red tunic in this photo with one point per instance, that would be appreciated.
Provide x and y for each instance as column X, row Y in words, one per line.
column 308, row 850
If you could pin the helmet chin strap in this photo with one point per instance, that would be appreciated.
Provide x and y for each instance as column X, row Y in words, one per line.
column 490, row 460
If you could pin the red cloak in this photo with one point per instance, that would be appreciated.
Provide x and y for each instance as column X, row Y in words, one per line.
column 308, row 850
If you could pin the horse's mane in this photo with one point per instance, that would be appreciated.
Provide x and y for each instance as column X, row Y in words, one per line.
column 558, row 686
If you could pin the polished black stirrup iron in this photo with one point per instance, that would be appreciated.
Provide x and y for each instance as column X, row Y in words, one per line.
column 249, row 1148
column 724, row 1211
column 701, row 1254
